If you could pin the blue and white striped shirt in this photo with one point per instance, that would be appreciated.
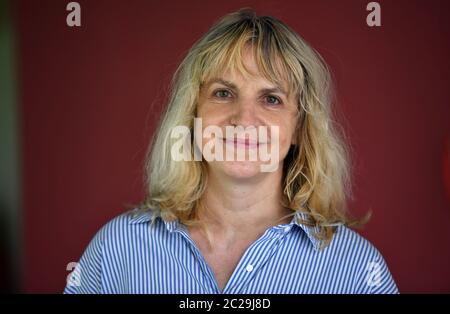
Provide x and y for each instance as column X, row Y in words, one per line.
column 132, row 255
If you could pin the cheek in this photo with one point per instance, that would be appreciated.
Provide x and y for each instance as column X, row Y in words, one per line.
column 285, row 140
column 287, row 135
column 206, row 117
column 211, row 115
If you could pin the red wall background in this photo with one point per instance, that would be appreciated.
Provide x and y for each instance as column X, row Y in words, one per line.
column 90, row 97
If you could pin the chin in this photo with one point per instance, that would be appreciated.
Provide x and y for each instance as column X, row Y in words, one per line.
column 239, row 169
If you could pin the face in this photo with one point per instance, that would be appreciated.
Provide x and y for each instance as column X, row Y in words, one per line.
column 251, row 103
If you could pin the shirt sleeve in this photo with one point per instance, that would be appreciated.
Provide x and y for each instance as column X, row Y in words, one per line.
column 374, row 276
column 87, row 275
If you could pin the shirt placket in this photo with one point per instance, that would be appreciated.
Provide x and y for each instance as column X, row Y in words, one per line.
column 256, row 257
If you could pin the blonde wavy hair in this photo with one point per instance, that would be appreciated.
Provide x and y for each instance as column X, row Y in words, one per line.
column 316, row 179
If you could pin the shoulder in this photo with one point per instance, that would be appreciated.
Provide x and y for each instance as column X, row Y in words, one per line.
column 125, row 227
column 127, row 221
column 368, row 265
column 352, row 242
column 112, row 244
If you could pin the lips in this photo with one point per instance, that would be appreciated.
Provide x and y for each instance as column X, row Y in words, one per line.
column 239, row 142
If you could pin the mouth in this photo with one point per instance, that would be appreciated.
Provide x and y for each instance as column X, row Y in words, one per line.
column 242, row 143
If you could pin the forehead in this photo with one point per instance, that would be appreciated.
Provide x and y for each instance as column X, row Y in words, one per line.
column 247, row 68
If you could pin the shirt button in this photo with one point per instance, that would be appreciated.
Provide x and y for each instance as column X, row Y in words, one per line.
column 286, row 229
column 249, row 267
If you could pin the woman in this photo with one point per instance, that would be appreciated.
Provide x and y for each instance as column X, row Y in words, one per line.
column 264, row 225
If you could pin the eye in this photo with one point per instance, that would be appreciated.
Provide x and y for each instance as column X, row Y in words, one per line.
column 272, row 100
column 222, row 93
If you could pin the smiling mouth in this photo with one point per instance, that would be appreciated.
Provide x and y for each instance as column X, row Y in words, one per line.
column 245, row 143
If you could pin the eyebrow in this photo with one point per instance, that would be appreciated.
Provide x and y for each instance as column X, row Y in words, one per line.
column 276, row 89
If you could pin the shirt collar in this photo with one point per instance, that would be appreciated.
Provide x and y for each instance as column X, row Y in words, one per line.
column 310, row 231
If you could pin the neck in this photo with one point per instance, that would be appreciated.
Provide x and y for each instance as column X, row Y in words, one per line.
column 235, row 210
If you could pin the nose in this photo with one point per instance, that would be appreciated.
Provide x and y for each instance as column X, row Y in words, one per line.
column 244, row 114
